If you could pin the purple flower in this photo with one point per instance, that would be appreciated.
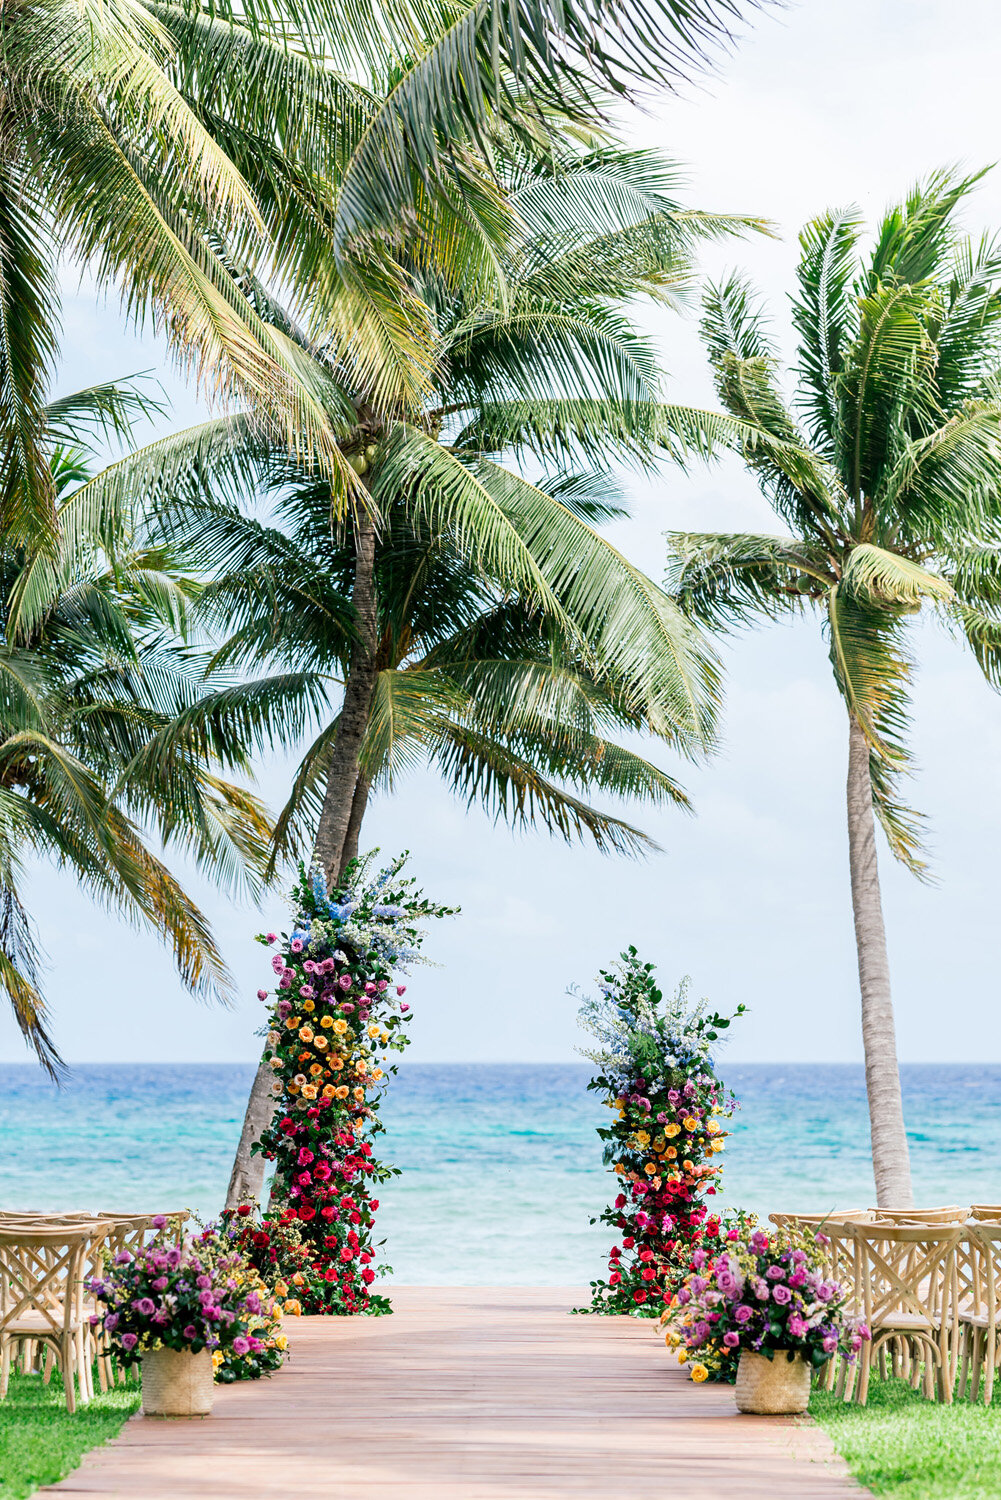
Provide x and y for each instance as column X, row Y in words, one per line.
column 159, row 1222
column 129, row 1340
column 698, row 1258
column 758, row 1242
column 296, row 945
column 731, row 1339
column 742, row 1312
column 775, row 1273
column 189, row 1332
column 174, row 1256
column 830, row 1342
column 123, row 1258
column 240, row 1345
column 145, row 1307
column 698, row 1285
column 306, row 991
column 796, row 1326
column 204, row 1282
column 272, row 937
column 284, row 1008
column 112, row 1321
column 160, row 1284
column 782, row 1295
column 760, row 1288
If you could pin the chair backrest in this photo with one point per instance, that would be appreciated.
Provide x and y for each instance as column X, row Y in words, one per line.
column 812, row 1221
column 991, row 1212
column 952, row 1214
column 42, row 1272
column 907, row 1270
column 979, row 1272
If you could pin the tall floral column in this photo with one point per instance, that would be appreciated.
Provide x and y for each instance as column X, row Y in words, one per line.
column 336, row 1015
column 656, row 1071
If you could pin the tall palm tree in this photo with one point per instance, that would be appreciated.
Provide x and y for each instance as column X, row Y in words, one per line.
column 545, row 637
column 889, row 490
column 110, row 735
column 167, row 143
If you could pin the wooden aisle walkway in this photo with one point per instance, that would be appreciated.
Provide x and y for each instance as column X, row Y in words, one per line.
column 469, row 1393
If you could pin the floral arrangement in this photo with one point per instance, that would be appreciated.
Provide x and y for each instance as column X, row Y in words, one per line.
column 335, row 1015
column 655, row 1066
column 767, row 1293
column 189, row 1296
column 716, row 1361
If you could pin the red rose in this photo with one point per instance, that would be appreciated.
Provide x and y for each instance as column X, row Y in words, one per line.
column 615, row 1278
column 244, row 1210
column 639, row 1296
column 629, row 1242
column 368, row 1276
column 648, row 1273
column 330, row 1275
column 307, row 1212
column 328, row 1213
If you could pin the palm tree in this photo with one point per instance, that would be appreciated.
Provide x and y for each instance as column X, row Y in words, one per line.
column 544, row 636
column 889, row 492
column 170, row 143
column 109, row 733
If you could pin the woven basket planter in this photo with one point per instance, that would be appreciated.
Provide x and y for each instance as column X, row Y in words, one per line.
column 177, row 1383
column 772, row 1387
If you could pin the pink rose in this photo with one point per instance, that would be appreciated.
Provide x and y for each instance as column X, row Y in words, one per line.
column 345, row 981
column 272, row 937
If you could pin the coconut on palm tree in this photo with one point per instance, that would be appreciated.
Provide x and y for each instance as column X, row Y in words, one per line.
column 887, row 483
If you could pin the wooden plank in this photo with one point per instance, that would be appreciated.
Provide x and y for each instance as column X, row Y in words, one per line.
column 469, row 1393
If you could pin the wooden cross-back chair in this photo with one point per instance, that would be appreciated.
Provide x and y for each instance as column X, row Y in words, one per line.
column 42, row 1272
column 906, row 1291
column 979, row 1283
column 986, row 1213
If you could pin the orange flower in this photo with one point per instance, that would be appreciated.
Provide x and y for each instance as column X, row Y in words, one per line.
column 341, row 1093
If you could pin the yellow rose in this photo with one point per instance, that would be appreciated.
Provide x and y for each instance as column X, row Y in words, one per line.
column 659, row 1144
column 361, row 1068
column 340, row 1026
column 384, row 1037
column 682, row 1356
column 619, row 1167
column 671, row 1153
column 327, row 1021
column 672, row 1129
column 650, row 1168
column 377, row 1073
column 217, row 1358
column 690, row 1124
column 293, row 1307
column 309, row 1091
column 308, row 1005
column 341, row 1093
column 714, row 1127
column 320, row 1043
column 280, row 1341
column 689, row 1166
column 315, row 1070
column 642, row 1138
column 281, row 1289
column 699, row 1373
column 293, row 1022
column 672, row 1339
column 719, row 1145
column 329, row 1091
column 306, row 1034
column 359, row 1094
column 373, row 1030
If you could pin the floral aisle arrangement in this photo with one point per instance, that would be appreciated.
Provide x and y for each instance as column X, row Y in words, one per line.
column 336, row 1012
column 188, row 1297
column 763, row 1293
column 656, row 1069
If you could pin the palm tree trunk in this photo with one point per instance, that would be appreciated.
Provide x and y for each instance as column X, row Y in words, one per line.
column 332, row 834
column 359, row 803
column 342, row 778
column 890, row 1159
column 247, row 1177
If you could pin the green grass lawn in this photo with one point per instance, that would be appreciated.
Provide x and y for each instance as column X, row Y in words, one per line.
column 912, row 1449
column 40, row 1442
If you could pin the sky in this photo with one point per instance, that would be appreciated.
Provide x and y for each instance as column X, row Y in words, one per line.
column 818, row 105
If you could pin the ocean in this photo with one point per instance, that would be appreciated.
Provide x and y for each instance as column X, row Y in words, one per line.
column 501, row 1165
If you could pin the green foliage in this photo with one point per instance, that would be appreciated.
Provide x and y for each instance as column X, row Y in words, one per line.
column 40, row 1442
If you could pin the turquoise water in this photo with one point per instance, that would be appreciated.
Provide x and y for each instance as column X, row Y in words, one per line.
column 501, row 1164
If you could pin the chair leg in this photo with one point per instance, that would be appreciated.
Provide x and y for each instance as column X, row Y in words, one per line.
column 50, row 1360
column 990, row 1362
column 5, row 1354
column 977, row 1362
column 964, row 1361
